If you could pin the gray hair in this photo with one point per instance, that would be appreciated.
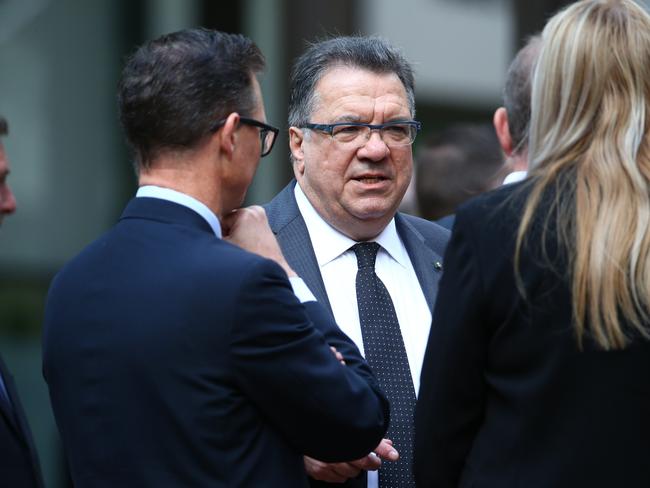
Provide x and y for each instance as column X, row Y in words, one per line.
column 516, row 93
column 372, row 53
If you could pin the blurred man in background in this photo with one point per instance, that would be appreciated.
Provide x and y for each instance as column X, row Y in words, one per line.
column 466, row 160
column 454, row 165
column 19, row 465
column 511, row 121
column 7, row 199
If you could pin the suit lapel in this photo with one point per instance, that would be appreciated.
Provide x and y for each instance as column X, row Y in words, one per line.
column 422, row 257
column 292, row 234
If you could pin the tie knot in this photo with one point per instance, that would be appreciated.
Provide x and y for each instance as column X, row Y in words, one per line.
column 366, row 254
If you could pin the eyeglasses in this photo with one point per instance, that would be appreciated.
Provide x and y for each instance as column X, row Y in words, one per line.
column 398, row 133
column 268, row 133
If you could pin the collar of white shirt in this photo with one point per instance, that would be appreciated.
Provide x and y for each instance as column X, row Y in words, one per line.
column 299, row 288
column 152, row 191
column 514, row 177
column 329, row 243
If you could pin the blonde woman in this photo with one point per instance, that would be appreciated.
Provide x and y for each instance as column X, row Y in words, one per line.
column 537, row 370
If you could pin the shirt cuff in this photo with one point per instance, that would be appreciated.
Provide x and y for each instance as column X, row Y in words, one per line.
column 301, row 290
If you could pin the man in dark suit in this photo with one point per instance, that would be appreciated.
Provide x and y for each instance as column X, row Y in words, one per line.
column 510, row 124
column 19, row 464
column 175, row 358
column 511, row 121
column 351, row 129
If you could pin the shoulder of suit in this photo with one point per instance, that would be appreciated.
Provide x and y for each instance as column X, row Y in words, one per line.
column 507, row 199
column 425, row 227
column 282, row 209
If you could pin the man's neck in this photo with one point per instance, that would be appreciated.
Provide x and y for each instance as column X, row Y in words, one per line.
column 520, row 161
column 358, row 230
column 196, row 180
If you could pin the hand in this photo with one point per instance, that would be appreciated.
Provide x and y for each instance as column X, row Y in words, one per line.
column 249, row 229
column 330, row 472
column 341, row 472
column 337, row 355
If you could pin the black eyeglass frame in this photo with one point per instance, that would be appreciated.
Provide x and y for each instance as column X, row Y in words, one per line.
column 266, row 128
column 329, row 128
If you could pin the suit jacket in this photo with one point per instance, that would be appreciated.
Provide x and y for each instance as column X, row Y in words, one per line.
column 424, row 241
column 176, row 359
column 447, row 221
column 19, row 464
column 507, row 399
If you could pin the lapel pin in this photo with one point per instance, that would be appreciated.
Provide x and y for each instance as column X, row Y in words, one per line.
column 437, row 266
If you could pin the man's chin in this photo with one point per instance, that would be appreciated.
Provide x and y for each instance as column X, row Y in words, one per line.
column 369, row 210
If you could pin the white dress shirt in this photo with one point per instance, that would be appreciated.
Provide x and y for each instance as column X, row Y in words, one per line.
column 338, row 267
column 514, row 177
column 300, row 289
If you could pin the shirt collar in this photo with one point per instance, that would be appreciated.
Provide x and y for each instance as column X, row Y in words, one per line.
column 329, row 243
column 183, row 199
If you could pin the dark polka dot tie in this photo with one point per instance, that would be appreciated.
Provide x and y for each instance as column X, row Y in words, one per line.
column 386, row 355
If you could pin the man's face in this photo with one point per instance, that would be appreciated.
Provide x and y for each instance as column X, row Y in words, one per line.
column 7, row 199
column 356, row 189
column 246, row 157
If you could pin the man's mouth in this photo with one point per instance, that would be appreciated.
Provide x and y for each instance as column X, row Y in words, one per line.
column 369, row 180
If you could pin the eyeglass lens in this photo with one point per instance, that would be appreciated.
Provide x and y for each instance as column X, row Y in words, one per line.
column 398, row 134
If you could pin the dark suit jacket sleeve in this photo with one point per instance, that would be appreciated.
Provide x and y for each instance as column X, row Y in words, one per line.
column 326, row 410
column 451, row 400
column 334, row 336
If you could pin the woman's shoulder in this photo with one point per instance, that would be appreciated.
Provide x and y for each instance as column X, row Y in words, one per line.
column 501, row 206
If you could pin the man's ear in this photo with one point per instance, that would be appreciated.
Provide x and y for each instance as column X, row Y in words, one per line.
column 227, row 135
column 296, row 139
column 502, row 129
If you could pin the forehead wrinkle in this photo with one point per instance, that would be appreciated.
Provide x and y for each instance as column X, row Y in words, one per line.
column 358, row 95
column 367, row 109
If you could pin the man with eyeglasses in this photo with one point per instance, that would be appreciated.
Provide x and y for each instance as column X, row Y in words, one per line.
column 351, row 118
column 173, row 357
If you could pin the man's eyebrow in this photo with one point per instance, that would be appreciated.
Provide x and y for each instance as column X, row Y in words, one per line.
column 347, row 118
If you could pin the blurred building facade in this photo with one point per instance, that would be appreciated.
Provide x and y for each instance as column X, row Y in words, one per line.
column 59, row 65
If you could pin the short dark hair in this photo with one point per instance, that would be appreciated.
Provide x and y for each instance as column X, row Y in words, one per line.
column 454, row 165
column 175, row 87
column 516, row 93
column 4, row 126
column 372, row 53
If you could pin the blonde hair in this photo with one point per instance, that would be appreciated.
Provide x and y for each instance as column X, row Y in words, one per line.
column 588, row 141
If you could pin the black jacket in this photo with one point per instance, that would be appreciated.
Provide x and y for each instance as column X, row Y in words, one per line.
column 507, row 399
column 175, row 359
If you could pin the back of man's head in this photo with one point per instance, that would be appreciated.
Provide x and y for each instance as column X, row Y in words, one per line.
column 370, row 53
column 454, row 165
column 175, row 88
column 516, row 93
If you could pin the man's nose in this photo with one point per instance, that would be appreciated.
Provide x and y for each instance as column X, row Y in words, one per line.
column 7, row 201
column 375, row 148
